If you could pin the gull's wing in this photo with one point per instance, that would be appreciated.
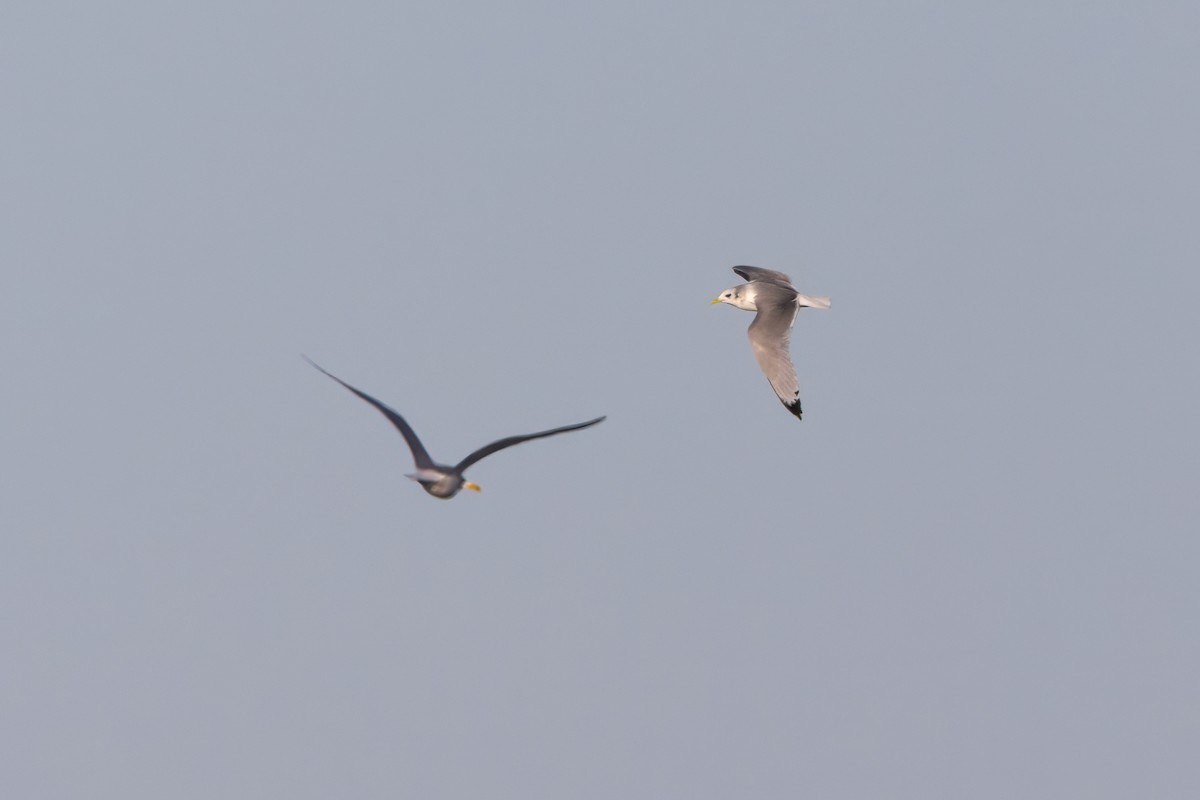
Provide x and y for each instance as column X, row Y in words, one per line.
column 767, row 275
column 770, row 334
column 509, row 441
column 414, row 444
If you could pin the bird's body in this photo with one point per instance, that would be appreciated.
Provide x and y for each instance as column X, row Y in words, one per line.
column 776, row 302
column 441, row 480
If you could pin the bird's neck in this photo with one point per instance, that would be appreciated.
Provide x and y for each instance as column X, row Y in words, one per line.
column 745, row 298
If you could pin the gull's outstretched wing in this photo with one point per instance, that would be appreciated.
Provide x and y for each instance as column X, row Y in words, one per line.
column 421, row 457
column 767, row 275
column 770, row 335
column 509, row 441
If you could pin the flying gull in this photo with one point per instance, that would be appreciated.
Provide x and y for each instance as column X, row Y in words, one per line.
column 441, row 480
column 771, row 294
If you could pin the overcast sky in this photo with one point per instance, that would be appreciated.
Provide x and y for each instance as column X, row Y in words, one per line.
column 969, row 572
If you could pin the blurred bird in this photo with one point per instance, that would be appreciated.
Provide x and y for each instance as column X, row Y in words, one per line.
column 440, row 480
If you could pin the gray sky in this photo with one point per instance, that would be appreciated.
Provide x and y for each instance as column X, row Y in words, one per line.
column 969, row 572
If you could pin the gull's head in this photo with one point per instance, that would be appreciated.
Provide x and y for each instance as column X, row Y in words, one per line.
column 738, row 297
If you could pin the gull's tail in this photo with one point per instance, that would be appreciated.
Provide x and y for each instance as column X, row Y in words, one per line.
column 813, row 302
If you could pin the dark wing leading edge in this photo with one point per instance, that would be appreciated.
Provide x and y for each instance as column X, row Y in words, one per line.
column 770, row 335
column 421, row 457
column 509, row 441
column 768, row 275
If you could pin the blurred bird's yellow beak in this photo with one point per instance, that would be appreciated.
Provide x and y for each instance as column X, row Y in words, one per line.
column 714, row 302
column 474, row 487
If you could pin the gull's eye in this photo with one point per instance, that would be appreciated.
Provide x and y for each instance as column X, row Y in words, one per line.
column 727, row 294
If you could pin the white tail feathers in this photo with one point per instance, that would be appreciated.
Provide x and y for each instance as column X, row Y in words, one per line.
column 813, row 302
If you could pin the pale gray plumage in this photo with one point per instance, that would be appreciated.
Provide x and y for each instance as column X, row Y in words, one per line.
column 771, row 295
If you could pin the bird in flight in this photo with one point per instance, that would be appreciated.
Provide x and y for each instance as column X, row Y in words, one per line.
column 441, row 480
column 771, row 294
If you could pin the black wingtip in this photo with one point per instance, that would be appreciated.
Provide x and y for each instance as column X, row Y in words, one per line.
column 581, row 425
column 793, row 407
column 313, row 363
column 329, row 374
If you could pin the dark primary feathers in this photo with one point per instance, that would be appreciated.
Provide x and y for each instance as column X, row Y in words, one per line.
column 760, row 274
column 509, row 441
column 441, row 480
column 420, row 456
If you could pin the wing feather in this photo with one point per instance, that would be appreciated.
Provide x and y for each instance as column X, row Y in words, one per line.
column 765, row 275
column 770, row 337
column 509, row 441
column 420, row 456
